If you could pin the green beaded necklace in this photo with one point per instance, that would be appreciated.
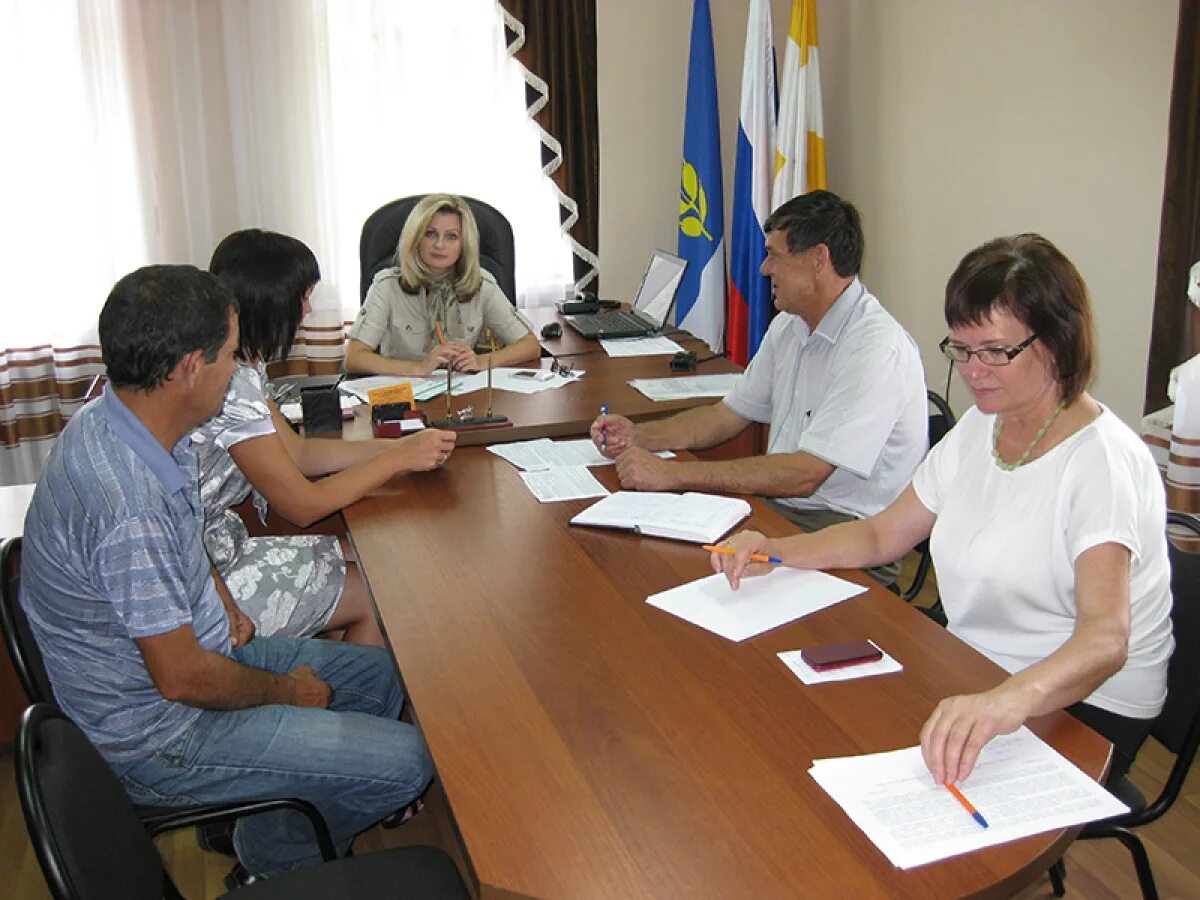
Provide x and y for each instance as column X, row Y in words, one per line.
column 999, row 430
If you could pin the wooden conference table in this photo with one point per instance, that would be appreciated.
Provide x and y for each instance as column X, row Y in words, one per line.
column 593, row 746
column 569, row 411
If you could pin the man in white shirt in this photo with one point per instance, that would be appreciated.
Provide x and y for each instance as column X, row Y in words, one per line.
column 839, row 381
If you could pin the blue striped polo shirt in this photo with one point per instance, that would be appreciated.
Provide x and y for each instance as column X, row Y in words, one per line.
column 113, row 551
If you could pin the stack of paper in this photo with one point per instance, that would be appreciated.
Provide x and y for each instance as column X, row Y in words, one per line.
column 685, row 387
column 1020, row 785
column 761, row 603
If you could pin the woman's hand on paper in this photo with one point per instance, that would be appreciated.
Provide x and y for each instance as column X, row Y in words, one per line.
column 960, row 727
column 734, row 566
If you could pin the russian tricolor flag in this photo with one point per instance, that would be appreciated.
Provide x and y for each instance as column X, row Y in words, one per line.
column 700, row 303
column 750, row 304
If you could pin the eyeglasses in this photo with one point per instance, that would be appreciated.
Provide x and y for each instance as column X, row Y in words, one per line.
column 566, row 370
column 989, row 356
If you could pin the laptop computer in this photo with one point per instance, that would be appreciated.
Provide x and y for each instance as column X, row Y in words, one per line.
column 654, row 299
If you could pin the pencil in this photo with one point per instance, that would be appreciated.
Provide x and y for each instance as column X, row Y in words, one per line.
column 754, row 557
column 975, row 814
column 441, row 334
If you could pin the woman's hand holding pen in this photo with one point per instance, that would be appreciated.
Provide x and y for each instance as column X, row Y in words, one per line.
column 441, row 356
column 734, row 565
column 612, row 435
column 960, row 727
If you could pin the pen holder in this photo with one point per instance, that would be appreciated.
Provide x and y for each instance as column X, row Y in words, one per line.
column 322, row 410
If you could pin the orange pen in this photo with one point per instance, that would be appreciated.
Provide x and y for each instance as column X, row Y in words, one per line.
column 975, row 814
column 441, row 335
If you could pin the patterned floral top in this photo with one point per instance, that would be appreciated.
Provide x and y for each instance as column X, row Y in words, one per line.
column 288, row 585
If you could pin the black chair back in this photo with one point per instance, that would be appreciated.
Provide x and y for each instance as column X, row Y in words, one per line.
column 1181, row 713
column 941, row 420
column 87, row 837
column 381, row 231
column 18, row 637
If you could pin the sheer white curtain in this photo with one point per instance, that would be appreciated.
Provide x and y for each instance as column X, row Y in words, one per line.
column 142, row 131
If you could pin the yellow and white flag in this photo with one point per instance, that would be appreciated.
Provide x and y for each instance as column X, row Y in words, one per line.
column 799, row 134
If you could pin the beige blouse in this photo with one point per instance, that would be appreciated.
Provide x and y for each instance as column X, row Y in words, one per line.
column 400, row 325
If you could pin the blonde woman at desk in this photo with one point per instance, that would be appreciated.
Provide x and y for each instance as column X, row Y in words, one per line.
column 287, row 586
column 1046, row 518
column 430, row 309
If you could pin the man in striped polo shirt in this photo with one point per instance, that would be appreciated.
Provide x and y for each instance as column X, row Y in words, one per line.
column 144, row 646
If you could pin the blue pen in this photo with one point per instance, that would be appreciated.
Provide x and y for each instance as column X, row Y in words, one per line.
column 603, row 431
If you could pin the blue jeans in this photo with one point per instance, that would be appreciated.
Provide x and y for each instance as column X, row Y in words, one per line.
column 354, row 761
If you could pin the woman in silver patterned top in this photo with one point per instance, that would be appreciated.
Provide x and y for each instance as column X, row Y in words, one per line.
column 298, row 585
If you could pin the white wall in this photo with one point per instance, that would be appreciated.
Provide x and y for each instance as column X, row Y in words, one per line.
column 947, row 123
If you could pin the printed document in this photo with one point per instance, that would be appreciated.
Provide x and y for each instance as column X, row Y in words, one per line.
column 543, row 453
column 640, row 346
column 686, row 386
column 563, row 483
column 1020, row 785
column 762, row 602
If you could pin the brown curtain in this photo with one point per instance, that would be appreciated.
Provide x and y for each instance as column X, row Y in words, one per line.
column 40, row 388
column 555, row 43
column 1175, row 332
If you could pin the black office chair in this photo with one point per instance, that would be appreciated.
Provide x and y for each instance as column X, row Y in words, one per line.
column 22, row 649
column 1177, row 727
column 940, row 423
column 91, row 844
column 381, row 231
column 27, row 660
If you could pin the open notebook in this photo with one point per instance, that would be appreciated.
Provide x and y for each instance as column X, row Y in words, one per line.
column 699, row 518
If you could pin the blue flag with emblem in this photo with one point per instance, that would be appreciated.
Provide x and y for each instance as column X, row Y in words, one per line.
column 700, row 303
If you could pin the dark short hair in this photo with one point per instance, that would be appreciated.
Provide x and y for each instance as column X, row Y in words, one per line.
column 822, row 217
column 1029, row 278
column 156, row 316
column 269, row 273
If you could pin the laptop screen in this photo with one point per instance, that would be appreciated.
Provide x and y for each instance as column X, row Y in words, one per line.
column 659, row 285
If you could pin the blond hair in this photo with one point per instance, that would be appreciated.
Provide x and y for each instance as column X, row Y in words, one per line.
column 414, row 274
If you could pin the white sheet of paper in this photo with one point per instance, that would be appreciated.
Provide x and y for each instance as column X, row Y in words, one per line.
column 686, row 386
column 640, row 346
column 762, row 602
column 806, row 673
column 543, row 453
column 509, row 379
column 1020, row 785
column 423, row 388
column 563, row 483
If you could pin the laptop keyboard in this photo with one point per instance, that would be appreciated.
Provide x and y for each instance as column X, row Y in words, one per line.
column 612, row 321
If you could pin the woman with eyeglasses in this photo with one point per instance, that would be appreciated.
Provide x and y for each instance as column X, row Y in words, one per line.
column 1046, row 517
column 430, row 309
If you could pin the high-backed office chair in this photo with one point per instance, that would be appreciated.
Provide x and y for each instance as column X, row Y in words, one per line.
column 90, row 842
column 381, row 231
column 941, row 420
column 1178, row 725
